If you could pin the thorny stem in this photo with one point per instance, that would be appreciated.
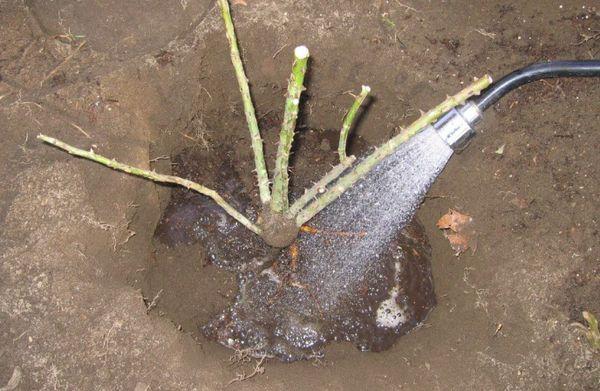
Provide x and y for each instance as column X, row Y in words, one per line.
column 320, row 186
column 256, row 140
column 388, row 148
column 345, row 160
column 90, row 155
column 349, row 120
column 280, row 202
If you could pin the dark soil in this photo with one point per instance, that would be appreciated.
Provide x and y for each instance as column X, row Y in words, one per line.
column 90, row 299
column 291, row 302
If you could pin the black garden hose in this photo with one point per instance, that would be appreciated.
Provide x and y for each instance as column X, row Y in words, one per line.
column 545, row 70
column 456, row 127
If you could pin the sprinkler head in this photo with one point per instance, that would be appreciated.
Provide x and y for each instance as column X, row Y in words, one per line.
column 456, row 127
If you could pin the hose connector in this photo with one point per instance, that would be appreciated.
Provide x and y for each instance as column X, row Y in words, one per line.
column 456, row 127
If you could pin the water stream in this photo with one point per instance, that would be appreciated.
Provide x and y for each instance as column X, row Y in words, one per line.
column 380, row 206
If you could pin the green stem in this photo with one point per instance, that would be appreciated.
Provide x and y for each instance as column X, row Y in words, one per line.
column 388, row 148
column 592, row 332
column 349, row 120
column 320, row 186
column 256, row 140
column 154, row 177
column 280, row 202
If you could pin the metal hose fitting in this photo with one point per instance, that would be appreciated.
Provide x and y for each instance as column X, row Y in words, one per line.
column 456, row 127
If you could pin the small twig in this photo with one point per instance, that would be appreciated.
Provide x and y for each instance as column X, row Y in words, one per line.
column 90, row 155
column 23, row 147
column 265, row 114
column 498, row 328
column 280, row 50
column 188, row 137
column 485, row 33
column 129, row 233
column 386, row 149
column 19, row 337
column 154, row 301
column 587, row 37
column 241, row 356
column 86, row 134
column 407, row 7
column 66, row 60
column 207, row 93
column 258, row 370
column 107, row 335
column 19, row 102
column 349, row 121
column 199, row 139
column 163, row 157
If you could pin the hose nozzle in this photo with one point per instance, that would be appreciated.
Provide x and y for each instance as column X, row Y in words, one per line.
column 456, row 127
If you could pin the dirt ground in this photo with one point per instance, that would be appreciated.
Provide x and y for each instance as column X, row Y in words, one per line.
column 90, row 300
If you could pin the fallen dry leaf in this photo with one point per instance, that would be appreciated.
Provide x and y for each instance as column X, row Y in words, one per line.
column 458, row 242
column 239, row 2
column 458, row 229
column 454, row 220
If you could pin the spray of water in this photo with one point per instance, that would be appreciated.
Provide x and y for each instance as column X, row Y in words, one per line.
column 379, row 206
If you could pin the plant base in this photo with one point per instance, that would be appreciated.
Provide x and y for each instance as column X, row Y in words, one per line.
column 278, row 230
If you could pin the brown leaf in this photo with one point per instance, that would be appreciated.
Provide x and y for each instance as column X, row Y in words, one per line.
column 458, row 242
column 454, row 220
column 239, row 2
column 458, row 229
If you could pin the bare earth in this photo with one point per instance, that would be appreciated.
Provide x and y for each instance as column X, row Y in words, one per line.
column 90, row 300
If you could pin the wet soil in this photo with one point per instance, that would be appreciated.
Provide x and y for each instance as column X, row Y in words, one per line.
column 291, row 302
column 90, row 299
